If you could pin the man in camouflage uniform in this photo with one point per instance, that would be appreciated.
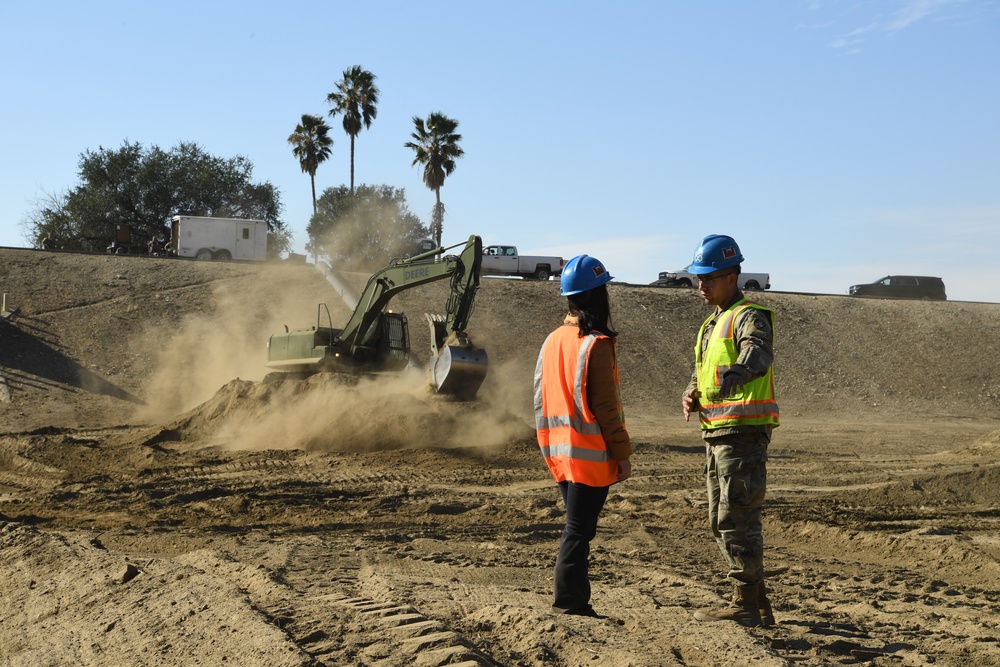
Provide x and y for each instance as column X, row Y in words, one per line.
column 732, row 390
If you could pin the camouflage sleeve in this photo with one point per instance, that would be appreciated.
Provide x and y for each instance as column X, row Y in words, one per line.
column 755, row 342
column 692, row 384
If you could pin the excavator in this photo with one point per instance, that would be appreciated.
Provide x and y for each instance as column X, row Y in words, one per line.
column 375, row 340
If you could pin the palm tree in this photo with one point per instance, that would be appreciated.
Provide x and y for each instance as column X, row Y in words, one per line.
column 357, row 99
column 435, row 144
column 311, row 145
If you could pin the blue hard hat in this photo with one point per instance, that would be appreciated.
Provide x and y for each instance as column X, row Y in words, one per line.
column 583, row 273
column 714, row 253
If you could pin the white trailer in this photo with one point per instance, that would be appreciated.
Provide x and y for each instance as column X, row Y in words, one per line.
column 218, row 238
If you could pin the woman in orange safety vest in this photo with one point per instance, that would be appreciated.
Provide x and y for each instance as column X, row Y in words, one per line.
column 580, row 424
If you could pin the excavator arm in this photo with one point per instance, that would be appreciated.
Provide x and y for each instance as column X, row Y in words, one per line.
column 457, row 367
column 407, row 273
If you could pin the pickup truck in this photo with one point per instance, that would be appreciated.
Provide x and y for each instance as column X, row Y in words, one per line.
column 683, row 278
column 503, row 260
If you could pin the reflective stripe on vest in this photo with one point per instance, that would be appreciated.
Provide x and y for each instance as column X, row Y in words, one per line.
column 754, row 405
column 568, row 433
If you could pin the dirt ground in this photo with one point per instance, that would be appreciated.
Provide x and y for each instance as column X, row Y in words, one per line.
column 161, row 505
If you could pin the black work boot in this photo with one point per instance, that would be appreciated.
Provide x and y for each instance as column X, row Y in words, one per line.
column 743, row 609
column 764, row 605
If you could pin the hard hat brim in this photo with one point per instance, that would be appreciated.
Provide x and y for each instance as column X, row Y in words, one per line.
column 581, row 291
column 700, row 270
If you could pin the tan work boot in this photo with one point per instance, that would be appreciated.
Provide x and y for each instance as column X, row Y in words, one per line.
column 743, row 609
column 764, row 605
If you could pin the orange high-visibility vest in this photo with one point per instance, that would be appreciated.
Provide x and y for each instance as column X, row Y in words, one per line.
column 567, row 431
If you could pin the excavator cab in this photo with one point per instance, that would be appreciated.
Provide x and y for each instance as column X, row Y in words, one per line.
column 386, row 347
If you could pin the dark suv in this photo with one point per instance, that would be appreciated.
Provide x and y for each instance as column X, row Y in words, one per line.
column 902, row 287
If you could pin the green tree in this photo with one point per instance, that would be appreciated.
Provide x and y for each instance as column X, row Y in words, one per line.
column 144, row 188
column 311, row 145
column 356, row 98
column 364, row 229
column 49, row 215
column 435, row 144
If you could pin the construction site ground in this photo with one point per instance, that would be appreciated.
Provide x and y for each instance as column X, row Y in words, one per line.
column 161, row 505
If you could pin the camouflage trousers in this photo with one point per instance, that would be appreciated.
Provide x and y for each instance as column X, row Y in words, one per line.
column 736, row 477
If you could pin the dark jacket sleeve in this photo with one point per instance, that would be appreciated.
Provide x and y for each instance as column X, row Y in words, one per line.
column 604, row 401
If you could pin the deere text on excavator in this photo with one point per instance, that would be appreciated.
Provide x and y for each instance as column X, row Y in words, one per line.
column 374, row 340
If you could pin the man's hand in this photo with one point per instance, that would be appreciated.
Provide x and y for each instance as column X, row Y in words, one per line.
column 731, row 383
column 624, row 470
column 689, row 403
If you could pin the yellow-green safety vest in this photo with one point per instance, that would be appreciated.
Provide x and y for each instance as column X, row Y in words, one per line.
column 754, row 405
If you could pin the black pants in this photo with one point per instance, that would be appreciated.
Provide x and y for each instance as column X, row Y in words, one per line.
column 572, row 583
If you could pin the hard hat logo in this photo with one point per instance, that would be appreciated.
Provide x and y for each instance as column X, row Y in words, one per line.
column 728, row 253
column 599, row 271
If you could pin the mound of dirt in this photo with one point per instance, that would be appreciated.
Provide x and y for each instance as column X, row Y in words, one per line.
column 977, row 486
column 329, row 412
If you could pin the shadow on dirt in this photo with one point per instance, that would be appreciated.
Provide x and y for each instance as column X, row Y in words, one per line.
column 25, row 519
column 29, row 362
column 838, row 641
column 661, row 448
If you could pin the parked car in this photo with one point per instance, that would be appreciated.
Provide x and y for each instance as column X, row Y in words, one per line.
column 747, row 282
column 902, row 287
column 504, row 260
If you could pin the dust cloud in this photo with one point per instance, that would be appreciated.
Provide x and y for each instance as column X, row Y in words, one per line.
column 226, row 340
column 367, row 237
column 209, row 386
column 330, row 412
column 508, row 386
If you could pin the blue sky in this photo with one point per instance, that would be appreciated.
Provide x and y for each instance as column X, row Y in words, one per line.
column 836, row 141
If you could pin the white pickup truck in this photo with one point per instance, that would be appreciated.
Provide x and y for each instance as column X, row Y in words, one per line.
column 503, row 260
column 683, row 278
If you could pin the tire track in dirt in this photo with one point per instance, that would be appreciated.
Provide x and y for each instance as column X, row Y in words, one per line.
column 883, row 596
column 327, row 617
column 19, row 474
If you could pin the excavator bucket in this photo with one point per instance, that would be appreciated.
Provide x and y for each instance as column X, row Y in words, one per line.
column 457, row 368
column 459, row 371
